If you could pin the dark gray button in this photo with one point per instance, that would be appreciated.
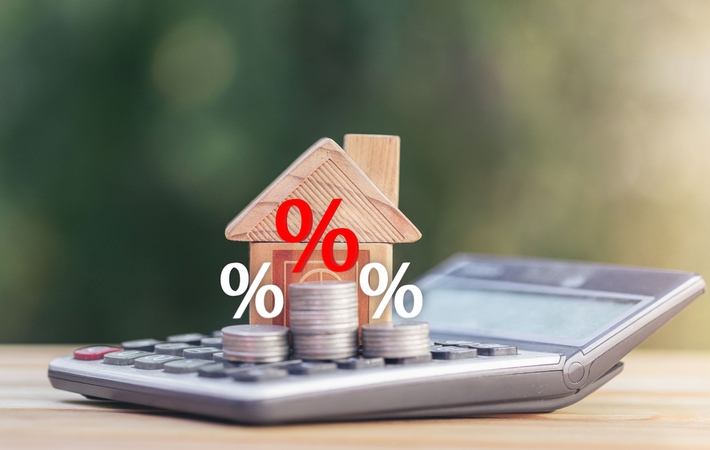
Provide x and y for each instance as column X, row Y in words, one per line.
column 214, row 370
column 408, row 361
column 457, row 343
column 229, row 368
column 124, row 358
column 211, row 342
column 147, row 345
column 311, row 368
column 496, row 350
column 199, row 353
column 188, row 338
column 451, row 352
column 218, row 357
column 174, row 349
column 360, row 363
column 267, row 373
column 185, row 365
column 153, row 362
column 219, row 370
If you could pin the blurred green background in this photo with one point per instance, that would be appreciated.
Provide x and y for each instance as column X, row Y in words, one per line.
column 132, row 132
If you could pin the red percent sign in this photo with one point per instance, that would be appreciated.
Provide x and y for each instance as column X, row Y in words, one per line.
column 351, row 243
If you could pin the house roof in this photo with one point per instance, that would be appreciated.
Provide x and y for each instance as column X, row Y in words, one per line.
column 320, row 174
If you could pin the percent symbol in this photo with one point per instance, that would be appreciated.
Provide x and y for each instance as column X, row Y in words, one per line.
column 352, row 245
column 252, row 289
column 393, row 288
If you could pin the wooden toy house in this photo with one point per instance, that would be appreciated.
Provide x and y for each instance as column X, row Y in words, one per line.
column 366, row 176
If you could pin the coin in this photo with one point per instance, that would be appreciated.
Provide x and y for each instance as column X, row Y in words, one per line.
column 396, row 339
column 324, row 319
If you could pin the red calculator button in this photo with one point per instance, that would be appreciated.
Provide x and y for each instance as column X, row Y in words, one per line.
column 94, row 352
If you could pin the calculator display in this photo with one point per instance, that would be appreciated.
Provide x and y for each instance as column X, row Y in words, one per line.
column 560, row 319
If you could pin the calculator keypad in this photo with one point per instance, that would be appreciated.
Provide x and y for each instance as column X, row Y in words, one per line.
column 147, row 345
column 174, row 349
column 187, row 338
column 95, row 352
column 180, row 355
column 153, row 362
column 124, row 358
column 185, row 365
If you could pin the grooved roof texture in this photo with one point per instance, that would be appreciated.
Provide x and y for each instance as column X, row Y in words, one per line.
column 322, row 173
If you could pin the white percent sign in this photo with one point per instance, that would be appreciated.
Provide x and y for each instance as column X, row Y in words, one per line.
column 392, row 289
column 254, row 287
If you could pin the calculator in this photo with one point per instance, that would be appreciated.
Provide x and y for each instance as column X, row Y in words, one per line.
column 508, row 335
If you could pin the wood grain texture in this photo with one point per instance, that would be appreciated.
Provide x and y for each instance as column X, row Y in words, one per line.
column 322, row 173
column 378, row 157
column 660, row 401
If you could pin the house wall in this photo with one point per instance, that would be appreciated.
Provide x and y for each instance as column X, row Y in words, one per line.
column 283, row 256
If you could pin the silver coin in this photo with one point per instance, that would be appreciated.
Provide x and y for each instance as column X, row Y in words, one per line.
column 325, row 284
column 326, row 309
column 322, row 308
column 350, row 318
column 325, row 331
column 325, row 339
column 412, row 343
column 257, row 344
column 341, row 320
column 324, row 315
column 336, row 293
column 350, row 325
column 256, row 348
column 395, row 335
column 399, row 326
column 256, row 360
column 327, row 356
column 252, row 356
column 254, row 331
column 318, row 300
column 331, row 337
column 319, row 344
column 281, row 340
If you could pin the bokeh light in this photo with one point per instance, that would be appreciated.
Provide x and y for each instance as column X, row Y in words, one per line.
column 131, row 132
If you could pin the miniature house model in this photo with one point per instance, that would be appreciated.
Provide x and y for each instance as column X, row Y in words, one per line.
column 366, row 176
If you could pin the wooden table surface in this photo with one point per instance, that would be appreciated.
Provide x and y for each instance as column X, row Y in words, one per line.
column 661, row 400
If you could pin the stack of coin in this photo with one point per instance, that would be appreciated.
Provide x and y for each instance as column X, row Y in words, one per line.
column 395, row 339
column 255, row 343
column 324, row 319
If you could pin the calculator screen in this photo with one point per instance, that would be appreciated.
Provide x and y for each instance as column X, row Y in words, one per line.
column 557, row 319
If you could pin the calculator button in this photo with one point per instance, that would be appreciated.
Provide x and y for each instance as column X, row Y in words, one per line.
column 147, row 345
column 410, row 360
column 187, row 338
column 217, row 333
column 214, row 370
column 457, row 343
column 453, row 352
column 311, row 368
column 211, row 342
column 218, row 357
column 496, row 350
column 360, row 363
column 95, row 352
column 174, row 349
column 124, row 358
column 199, row 353
column 185, row 365
column 153, row 362
column 267, row 373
